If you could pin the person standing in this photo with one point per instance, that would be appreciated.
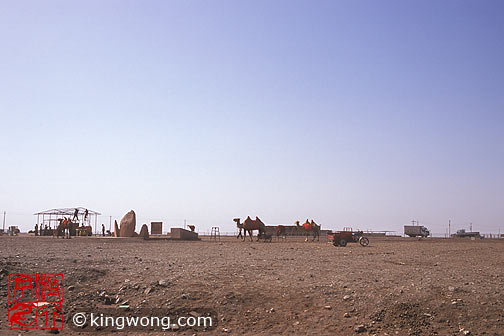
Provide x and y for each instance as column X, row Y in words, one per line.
column 103, row 229
column 36, row 229
column 76, row 214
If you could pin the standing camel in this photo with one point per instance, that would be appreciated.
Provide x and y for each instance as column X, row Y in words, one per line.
column 310, row 227
column 249, row 225
column 63, row 228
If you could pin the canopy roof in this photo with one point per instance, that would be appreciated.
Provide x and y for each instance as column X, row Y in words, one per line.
column 66, row 211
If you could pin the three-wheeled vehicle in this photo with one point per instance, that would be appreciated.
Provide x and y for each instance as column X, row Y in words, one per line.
column 341, row 238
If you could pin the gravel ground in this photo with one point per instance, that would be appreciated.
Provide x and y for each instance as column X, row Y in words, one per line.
column 395, row 286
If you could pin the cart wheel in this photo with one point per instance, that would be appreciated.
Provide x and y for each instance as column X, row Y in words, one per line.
column 335, row 243
column 363, row 241
column 342, row 242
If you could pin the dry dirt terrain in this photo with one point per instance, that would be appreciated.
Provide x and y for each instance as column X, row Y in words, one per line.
column 395, row 286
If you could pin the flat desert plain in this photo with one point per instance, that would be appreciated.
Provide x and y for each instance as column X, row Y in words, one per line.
column 395, row 286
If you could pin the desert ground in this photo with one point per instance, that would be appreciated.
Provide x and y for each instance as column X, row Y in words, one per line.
column 395, row 286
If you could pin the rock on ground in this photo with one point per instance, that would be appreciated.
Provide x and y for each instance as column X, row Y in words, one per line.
column 128, row 224
column 116, row 230
column 144, row 232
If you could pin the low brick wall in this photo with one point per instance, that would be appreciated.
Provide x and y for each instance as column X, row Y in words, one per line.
column 182, row 234
column 291, row 230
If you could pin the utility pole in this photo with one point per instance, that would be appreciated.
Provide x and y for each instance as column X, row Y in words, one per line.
column 449, row 228
column 3, row 227
column 470, row 227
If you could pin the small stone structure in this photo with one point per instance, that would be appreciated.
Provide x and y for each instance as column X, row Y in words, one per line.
column 182, row 234
column 156, row 228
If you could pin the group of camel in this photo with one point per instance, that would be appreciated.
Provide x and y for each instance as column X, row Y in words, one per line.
column 68, row 228
column 249, row 225
column 65, row 227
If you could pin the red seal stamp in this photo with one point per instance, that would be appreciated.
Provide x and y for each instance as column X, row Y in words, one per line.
column 36, row 301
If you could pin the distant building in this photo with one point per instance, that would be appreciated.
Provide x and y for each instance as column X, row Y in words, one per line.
column 466, row 234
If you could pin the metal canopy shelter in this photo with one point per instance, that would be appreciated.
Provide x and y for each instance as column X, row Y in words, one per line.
column 53, row 215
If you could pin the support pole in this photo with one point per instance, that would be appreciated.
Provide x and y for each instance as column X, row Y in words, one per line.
column 95, row 220
column 3, row 227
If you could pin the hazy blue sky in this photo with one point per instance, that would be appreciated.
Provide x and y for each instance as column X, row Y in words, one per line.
column 354, row 113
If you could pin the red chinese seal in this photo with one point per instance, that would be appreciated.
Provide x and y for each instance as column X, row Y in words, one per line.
column 36, row 301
